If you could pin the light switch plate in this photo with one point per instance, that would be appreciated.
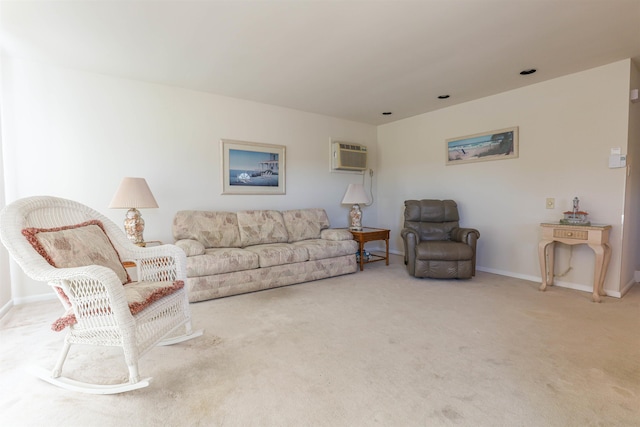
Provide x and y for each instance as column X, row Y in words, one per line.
column 551, row 203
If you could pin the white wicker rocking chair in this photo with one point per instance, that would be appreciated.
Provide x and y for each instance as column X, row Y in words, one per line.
column 99, row 308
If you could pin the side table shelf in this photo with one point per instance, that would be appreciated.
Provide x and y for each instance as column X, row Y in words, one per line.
column 369, row 234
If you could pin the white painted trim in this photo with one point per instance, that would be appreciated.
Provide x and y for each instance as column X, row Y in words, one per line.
column 6, row 308
column 35, row 298
column 628, row 286
column 586, row 288
column 509, row 274
column 27, row 300
column 559, row 283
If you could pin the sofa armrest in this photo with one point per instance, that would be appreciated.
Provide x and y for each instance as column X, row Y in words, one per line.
column 190, row 247
column 336, row 234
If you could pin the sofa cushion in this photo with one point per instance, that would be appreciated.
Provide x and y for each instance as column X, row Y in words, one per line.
column 279, row 254
column 191, row 247
column 260, row 227
column 336, row 234
column 321, row 249
column 221, row 260
column 211, row 228
column 303, row 224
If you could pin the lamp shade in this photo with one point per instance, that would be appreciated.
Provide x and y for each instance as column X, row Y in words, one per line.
column 133, row 193
column 355, row 195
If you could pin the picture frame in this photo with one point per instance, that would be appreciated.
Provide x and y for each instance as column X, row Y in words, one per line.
column 252, row 167
column 497, row 144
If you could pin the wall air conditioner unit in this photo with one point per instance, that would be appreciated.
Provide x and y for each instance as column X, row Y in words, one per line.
column 348, row 157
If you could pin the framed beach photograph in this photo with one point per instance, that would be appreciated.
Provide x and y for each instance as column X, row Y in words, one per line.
column 252, row 168
column 495, row 145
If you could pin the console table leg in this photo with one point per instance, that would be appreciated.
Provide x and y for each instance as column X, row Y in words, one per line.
column 545, row 250
column 598, row 271
column 603, row 256
column 605, row 266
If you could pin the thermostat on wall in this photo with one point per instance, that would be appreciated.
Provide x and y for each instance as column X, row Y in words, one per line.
column 617, row 161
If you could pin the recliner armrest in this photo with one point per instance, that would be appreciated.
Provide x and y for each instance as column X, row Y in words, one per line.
column 409, row 233
column 469, row 236
column 411, row 239
column 465, row 235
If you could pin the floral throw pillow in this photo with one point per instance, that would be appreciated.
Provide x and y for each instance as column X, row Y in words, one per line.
column 77, row 246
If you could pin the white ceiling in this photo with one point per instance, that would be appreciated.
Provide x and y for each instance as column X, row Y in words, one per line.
column 348, row 59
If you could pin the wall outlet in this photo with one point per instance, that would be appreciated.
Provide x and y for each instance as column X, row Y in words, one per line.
column 551, row 203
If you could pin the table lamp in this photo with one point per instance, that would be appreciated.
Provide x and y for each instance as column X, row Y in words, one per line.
column 132, row 194
column 354, row 196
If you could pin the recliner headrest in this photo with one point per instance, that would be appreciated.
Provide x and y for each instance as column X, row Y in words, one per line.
column 431, row 210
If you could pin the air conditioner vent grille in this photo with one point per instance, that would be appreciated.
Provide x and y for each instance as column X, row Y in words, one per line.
column 349, row 157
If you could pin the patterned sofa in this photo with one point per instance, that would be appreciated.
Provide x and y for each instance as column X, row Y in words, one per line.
column 230, row 253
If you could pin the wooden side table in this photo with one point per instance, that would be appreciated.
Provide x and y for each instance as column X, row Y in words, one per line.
column 369, row 234
column 596, row 236
column 131, row 264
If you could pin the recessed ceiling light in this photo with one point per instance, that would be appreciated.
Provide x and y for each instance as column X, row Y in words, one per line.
column 527, row 72
column 387, row 113
column 443, row 96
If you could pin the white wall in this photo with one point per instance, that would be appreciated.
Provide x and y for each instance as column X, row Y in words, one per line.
column 631, row 241
column 5, row 282
column 567, row 127
column 75, row 135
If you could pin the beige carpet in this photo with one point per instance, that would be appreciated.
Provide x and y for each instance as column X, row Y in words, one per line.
column 375, row 348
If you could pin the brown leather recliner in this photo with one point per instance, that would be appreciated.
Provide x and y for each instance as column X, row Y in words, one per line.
column 434, row 244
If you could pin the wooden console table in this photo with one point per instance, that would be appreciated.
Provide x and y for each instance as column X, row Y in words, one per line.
column 368, row 234
column 596, row 236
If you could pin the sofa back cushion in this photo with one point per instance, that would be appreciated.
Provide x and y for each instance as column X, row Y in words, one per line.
column 211, row 228
column 261, row 226
column 305, row 224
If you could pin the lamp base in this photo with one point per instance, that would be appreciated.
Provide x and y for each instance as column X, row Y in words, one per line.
column 134, row 227
column 356, row 218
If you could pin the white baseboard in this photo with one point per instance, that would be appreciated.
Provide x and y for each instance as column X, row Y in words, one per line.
column 509, row 274
column 35, row 298
column 559, row 283
column 580, row 287
column 26, row 300
column 5, row 308
column 628, row 286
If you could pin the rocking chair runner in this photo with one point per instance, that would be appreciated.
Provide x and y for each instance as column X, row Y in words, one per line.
column 80, row 252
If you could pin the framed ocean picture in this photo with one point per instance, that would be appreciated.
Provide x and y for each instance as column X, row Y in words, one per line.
column 252, row 167
column 495, row 145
